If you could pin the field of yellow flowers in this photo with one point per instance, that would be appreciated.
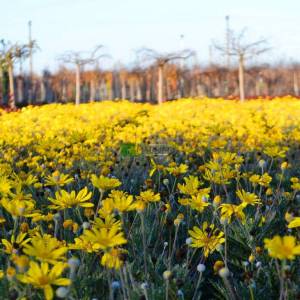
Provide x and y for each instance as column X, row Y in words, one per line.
column 193, row 199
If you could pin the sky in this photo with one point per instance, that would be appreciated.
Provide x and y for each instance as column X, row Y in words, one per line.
column 123, row 26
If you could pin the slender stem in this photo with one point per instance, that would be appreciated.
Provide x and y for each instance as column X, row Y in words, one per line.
column 99, row 203
column 173, row 248
column 197, row 287
column 144, row 243
column 229, row 289
column 167, row 289
column 251, row 293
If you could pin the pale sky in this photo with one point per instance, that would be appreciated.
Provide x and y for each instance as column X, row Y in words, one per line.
column 126, row 25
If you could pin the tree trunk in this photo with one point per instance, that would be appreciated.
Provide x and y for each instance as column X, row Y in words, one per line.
column 296, row 86
column 131, row 90
column 92, row 91
column 241, row 78
column 77, row 100
column 160, row 84
column 11, row 101
column 20, row 89
column 123, row 89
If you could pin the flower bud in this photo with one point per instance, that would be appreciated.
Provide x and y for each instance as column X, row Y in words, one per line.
column 167, row 275
column 258, row 264
column 56, row 217
column 166, row 181
column 245, row 263
column 218, row 265
column 284, row 166
column 224, row 272
column 201, row 268
column 180, row 294
column 74, row 262
column 86, row 225
column 144, row 285
column 62, row 292
column 251, row 258
column 177, row 222
column 115, row 285
column 262, row 163
column 188, row 241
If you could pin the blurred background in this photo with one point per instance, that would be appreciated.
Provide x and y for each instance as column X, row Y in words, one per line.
column 154, row 51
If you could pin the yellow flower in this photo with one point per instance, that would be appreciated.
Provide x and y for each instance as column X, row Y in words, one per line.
column 10, row 273
column 294, row 222
column 41, row 277
column 100, row 238
column 295, row 184
column 282, row 247
column 105, row 183
column 155, row 167
column 36, row 217
column 289, row 217
column 269, row 191
column 230, row 210
column 247, row 198
column 107, row 222
column 265, row 180
column 209, row 238
column 64, row 200
column 275, row 151
column 106, row 209
column 5, row 185
column 15, row 244
column 254, row 179
column 21, row 262
column 1, row 274
column 18, row 208
column 284, row 165
column 217, row 200
column 114, row 258
column 190, row 187
column 184, row 201
column 24, row 227
column 121, row 201
column 177, row 170
column 46, row 248
column 199, row 202
column 58, row 179
column 218, row 265
column 144, row 198
column 251, row 258
column 83, row 244
column 67, row 224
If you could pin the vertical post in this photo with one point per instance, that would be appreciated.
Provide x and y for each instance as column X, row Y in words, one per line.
column 241, row 78
column 30, row 50
column 181, row 79
column 160, row 86
column 210, row 55
column 77, row 100
column 227, row 18
column 296, row 86
column 11, row 101
column 30, row 92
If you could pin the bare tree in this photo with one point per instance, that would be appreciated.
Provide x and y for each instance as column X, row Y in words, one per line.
column 9, row 53
column 160, row 60
column 243, row 51
column 79, row 61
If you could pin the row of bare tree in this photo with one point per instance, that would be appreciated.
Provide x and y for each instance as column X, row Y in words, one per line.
column 142, row 84
column 160, row 76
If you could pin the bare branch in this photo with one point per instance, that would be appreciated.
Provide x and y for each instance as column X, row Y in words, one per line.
column 163, row 58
